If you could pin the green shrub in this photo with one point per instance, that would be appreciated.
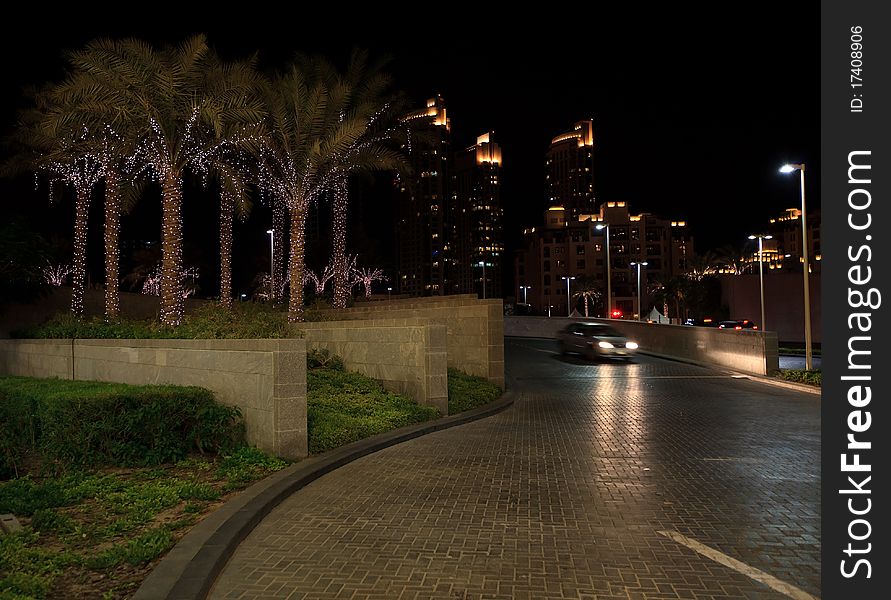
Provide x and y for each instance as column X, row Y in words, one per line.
column 246, row 320
column 468, row 391
column 344, row 407
column 78, row 424
column 803, row 376
column 248, row 464
column 323, row 359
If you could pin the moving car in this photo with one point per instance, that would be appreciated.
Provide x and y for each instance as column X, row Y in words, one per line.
column 595, row 340
column 741, row 324
column 701, row 322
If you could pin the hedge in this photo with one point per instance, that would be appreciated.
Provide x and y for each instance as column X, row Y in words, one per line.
column 83, row 424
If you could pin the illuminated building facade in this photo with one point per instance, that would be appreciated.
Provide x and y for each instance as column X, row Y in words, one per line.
column 422, row 203
column 570, row 246
column 476, row 220
column 569, row 170
column 449, row 217
column 786, row 232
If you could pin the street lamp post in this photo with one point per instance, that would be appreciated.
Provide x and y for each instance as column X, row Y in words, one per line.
column 568, row 305
column 639, row 304
column 808, row 356
column 483, row 265
column 761, row 239
column 271, row 233
column 525, row 288
column 609, row 287
column 389, row 293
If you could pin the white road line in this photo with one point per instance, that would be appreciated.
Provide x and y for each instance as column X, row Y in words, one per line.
column 756, row 574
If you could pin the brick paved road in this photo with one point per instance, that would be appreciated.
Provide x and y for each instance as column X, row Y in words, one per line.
column 562, row 496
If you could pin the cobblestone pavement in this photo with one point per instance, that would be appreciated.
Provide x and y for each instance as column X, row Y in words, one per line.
column 563, row 496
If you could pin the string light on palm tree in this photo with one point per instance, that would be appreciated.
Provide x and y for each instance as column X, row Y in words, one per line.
column 271, row 233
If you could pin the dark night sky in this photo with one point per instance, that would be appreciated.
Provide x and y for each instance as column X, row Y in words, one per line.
column 694, row 108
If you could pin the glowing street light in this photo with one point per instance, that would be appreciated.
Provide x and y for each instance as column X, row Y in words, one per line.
column 482, row 263
column 609, row 288
column 808, row 356
column 568, row 306
column 639, row 306
column 761, row 239
column 525, row 288
column 389, row 293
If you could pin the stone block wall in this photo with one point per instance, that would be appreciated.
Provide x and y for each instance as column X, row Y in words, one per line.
column 266, row 379
column 407, row 357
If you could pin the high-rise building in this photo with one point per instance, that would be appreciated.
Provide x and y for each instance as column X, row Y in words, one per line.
column 423, row 203
column 574, row 247
column 449, row 216
column 476, row 240
column 569, row 178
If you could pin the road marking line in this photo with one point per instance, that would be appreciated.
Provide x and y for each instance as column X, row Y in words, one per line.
column 741, row 567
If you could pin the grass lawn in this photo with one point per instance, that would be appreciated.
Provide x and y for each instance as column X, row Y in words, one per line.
column 97, row 535
column 814, row 378
column 468, row 391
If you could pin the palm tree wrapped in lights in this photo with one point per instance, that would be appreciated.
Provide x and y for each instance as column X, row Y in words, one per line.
column 366, row 277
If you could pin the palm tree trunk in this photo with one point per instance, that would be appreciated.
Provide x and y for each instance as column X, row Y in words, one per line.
column 79, row 265
column 227, row 209
column 297, row 259
column 112, row 250
column 279, row 225
column 339, row 205
column 586, row 307
column 171, row 249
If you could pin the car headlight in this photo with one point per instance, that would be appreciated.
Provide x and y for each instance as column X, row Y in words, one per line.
column 605, row 345
column 632, row 345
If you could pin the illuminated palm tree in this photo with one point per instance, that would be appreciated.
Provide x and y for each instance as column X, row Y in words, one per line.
column 186, row 109
column 588, row 288
column 316, row 138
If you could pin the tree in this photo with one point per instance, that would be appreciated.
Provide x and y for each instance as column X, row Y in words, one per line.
column 316, row 139
column 67, row 155
column 588, row 289
column 187, row 107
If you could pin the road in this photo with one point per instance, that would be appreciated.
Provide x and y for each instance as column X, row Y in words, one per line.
column 652, row 480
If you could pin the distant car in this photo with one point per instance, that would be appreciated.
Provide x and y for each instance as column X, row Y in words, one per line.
column 701, row 322
column 741, row 324
column 595, row 340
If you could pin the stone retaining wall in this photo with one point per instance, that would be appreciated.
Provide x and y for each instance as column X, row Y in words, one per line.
column 266, row 379
column 748, row 351
column 408, row 358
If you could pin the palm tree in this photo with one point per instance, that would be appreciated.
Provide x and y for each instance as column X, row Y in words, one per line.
column 68, row 156
column 316, row 139
column 186, row 107
column 588, row 288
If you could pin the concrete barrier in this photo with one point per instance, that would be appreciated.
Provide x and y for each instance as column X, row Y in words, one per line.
column 746, row 350
column 266, row 379
column 407, row 357
column 474, row 328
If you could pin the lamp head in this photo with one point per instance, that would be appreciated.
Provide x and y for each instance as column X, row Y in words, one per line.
column 790, row 167
column 600, row 226
column 270, row 231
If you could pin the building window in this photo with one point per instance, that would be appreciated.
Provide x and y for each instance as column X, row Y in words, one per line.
column 547, row 280
column 580, row 250
column 546, row 252
column 580, row 264
column 547, row 265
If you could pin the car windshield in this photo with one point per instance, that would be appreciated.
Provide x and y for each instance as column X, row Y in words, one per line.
column 599, row 331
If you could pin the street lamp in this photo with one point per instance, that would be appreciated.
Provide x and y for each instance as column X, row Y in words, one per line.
column 483, row 265
column 808, row 356
column 761, row 239
column 639, row 307
column 271, row 233
column 525, row 288
column 568, row 306
column 609, row 287
column 389, row 293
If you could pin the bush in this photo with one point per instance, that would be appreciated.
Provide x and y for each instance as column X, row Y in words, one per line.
column 468, row 391
column 77, row 424
column 323, row 359
column 344, row 407
column 803, row 376
column 246, row 320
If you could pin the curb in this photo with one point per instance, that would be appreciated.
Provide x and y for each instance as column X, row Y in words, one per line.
column 190, row 569
column 799, row 387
